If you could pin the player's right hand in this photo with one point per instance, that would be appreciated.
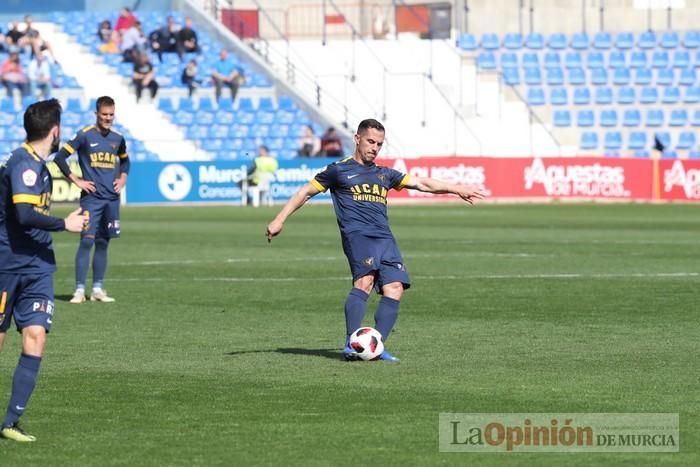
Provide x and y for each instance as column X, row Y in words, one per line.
column 86, row 185
column 76, row 221
column 273, row 229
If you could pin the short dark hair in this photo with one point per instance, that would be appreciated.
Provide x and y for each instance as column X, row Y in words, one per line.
column 370, row 123
column 103, row 101
column 40, row 117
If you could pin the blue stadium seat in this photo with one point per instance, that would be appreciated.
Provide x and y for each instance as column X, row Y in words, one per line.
column 579, row 41
column 582, row 96
column 691, row 40
column 246, row 104
column 613, row 140
column 688, row 77
column 589, row 140
column 659, row 59
column 694, row 154
column 608, row 118
column 7, row 104
column 511, row 76
column 489, row 41
column 533, row 77
column 530, row 60
column 595, row 60
column 647, row 40
column 74, row 105
column 165, row 104
column 639, row 59
column 599, row 76
column 637, row 140
column 513, row 41
column 206, row 104
column 643, row 153
column 559, row 96
column 555, row 76
column 642, row 76
column 562, row 118
column 183, row 118
column 186, row 103
column 624, row 40
column 576, row 76
column 279, row 131
column 617, row 59
column 692, row 95
column 486, row 61
column 603, row 96
column 212, row 145
column 654, row 118
column 669, row 40
column 632, row 118
column 557, row 41
column 285, row 103
column 226, row 104
column 665, row 76
column 671, row 95
column 585, row 118
column 535, row 96
column 197, row 132
column 669, row 154
column 466, row 41
column 203, row 117
column 534, row 41
column 552, row 60
column 626, row 95
column 573, row 60
column 686, row 140
column 265, row 103
column 602, row 40
column 664, row 137
column 679, row 117
column 681, row 59
column 509, row 60
column 621, row 77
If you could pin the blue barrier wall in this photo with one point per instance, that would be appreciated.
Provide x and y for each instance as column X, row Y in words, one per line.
column 213, row 182
column 22, row 7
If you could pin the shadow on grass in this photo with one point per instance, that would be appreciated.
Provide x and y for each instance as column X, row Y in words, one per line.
column 326, row 353
column 62, row 298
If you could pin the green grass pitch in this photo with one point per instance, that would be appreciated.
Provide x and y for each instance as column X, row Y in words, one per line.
column 224, row 350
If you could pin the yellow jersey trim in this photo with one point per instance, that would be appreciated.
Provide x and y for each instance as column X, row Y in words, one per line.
column 318, row 186
column 68, row 148
column 87, row 128
column 404, row 181
column 31, row 152
column 29, row 199
column 124, row 156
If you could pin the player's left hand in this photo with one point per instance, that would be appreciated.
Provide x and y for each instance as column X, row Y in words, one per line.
column 119, row 185
column 470, row 195
column 273, row 229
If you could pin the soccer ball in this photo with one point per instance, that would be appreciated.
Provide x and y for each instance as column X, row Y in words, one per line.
column 367, row 342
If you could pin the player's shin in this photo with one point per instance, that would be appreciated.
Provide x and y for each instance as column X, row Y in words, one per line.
column 386, row 315
column 355, row 307
column 23, row 384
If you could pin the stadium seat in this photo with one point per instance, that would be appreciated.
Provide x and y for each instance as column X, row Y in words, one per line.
column 671, row 95
column 603, row 96
column 624, row 40
column 637, row 140
column 226, row 104
column 486, row 61
column 613, row 140
column 632, row 118
column 644, row 154
column 621, row 77
column 694, row 154
column 585, row 118
column 511, row 76
column 692, row 95
column 582, row 96
column 552, row 60
column 688, row 77
column 659, row 59
column 681, row 59
column 602, row 40
column 285, row 103
column 535, row 96
column 648, row 95
column 186, row 103
column 595, row 60
column 509, row 60
column 573, row 60
column 73, row 104
column 204, row 117
column 557, row 41
column 589, row 140
column 467, row 41
column 654, row 118
column 533, row 77
column 626, row 95
column 696, row 62
column 534, row 41
column 183, row 118
column 668, row 154
column 7, row 104
column 576, row 76
column 562, row 118
column 665, row 76
column 647, row 40
column 642, row 76
column 617, row 59
column 513, row 41
column 608, row 118
column 639, row 59
column 559, row 96
column 686, row 140
column 669, row 40
column 691, row 39
column 530, row 60
column 679, row 118
column 599, row 76
column 489, row 41
column 579, row 41
column 206, row 104
column 246, row 104
column 165, row 104
column 555, row 76
column 663, row 137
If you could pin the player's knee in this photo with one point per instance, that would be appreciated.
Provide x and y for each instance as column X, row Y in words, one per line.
column 393, row 290
column 365, row 284
column 101, row 243
column 87, row 241
column 33, row 340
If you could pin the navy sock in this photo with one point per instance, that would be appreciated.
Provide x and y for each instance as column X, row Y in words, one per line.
column 82, row 260
column 386, row 315
column 99, row 262
column 22, row 387
column 355, row 307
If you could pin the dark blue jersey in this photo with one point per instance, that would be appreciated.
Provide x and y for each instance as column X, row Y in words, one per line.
column 359, row 195
column 99, row 155
column 24, row 178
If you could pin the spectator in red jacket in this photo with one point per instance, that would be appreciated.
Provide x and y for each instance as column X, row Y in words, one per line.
column 125, row 21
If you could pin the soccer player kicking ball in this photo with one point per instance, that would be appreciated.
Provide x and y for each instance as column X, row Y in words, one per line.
column 359, row 189
column 101, row 152
column 27, row 260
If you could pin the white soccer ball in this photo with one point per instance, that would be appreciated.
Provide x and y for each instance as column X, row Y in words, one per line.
column 367, row 342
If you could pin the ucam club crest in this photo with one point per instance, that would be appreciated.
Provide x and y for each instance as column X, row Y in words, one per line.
column 688, row 179
column 576, row 179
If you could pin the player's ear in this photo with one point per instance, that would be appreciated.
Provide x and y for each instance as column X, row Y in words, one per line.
column 357, row 138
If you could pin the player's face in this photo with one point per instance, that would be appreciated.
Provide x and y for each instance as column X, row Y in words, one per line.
column 105, row 117
column 369, row 143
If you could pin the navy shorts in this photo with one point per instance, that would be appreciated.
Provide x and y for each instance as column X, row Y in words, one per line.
column 103, row 215
column 26, row 298
column 367, row 255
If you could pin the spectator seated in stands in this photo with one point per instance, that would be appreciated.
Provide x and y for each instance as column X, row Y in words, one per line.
column 187, row 41
column 260, row 176
column 15, row 38
column 125, row 21
column 2, row 42
column 331, row 145
column 36, row 42
column 133, row 42
column 144, row 76
column 39, row 76
column 13, row 76
column 309, row 143
column 164, row 40
column 189, row 77
column 225, row 73
column 109, row 38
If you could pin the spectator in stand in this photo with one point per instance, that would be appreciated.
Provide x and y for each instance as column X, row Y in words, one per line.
column 144, row 76
column 13, row 76
column 15, row 38
column 331, row 146
column 2, row 42
column 39, row 75
column 109, row 38
column 164, row 40
column 34, row 40
column 225, row 73
column 189, row 77
column 309, row 143
column 125, row 21
column 187, row 39
column 133, row 42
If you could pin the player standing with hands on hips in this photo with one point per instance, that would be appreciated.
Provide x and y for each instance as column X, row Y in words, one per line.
column 359, row 190
column 101, row 150
column 27, row 260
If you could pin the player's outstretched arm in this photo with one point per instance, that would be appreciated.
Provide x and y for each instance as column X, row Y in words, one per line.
column 30, row 217
column 430, row 185
column 294, row 203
